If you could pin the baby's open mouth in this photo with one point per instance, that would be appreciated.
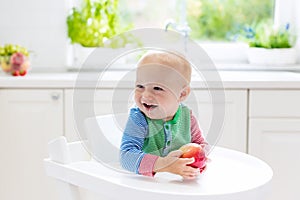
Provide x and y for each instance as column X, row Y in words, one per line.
column 149, row 106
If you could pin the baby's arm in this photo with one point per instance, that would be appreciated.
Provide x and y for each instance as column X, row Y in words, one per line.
column 135, row 160
column 196, row 133
column 131, row 153
column 132, row 156
column 197, row 136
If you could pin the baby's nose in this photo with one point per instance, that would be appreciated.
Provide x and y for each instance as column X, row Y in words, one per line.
column 148, row 95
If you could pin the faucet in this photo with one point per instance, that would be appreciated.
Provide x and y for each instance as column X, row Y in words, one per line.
column 184, row 29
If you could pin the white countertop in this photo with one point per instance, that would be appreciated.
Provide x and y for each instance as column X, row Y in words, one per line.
column 230, row 80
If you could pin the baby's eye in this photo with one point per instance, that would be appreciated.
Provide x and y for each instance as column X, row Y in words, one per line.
column 139, row 86
column 158, row 88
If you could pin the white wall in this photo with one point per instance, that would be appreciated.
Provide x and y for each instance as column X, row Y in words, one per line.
column 39, row 25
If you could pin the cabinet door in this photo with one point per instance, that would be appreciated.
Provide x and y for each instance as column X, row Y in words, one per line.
column 277, row 141
column 28, row 120
column 234, row 132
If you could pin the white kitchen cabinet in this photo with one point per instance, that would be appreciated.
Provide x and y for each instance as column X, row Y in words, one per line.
column 234, row 131
column 274, row 136
column 29, row 119
column 234, row 134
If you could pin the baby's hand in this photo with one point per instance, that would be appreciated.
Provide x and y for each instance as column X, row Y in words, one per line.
column 173, row 164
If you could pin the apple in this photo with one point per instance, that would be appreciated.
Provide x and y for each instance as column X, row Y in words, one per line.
column 15, row 73
column 22, row 72
column 194, row 150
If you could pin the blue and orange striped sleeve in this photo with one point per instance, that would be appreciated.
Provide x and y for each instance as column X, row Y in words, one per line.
column 131, row 153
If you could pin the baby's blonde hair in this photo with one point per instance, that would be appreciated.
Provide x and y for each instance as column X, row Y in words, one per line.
column 173, row 60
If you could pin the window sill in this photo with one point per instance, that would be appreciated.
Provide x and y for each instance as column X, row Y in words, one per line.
column 252, row 67
column 225, row 56
column 233, row 56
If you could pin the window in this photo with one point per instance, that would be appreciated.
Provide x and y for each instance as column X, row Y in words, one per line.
column 224, row 19
column 216, row 24
column 216, row 20
column 147, row 13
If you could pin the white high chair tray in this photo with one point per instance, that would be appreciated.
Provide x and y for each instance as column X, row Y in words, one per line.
column 230, row 175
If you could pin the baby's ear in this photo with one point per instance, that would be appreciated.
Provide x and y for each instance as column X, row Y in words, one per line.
column 185, row 93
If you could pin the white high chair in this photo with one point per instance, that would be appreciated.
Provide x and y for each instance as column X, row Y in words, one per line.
column 231, row 175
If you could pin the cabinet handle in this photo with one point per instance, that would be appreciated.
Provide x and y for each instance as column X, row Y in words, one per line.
column 55, row 96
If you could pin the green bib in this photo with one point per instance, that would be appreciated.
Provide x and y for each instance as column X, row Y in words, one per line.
column 164, row 137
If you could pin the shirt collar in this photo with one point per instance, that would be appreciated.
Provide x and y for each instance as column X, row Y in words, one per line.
column 176, row 116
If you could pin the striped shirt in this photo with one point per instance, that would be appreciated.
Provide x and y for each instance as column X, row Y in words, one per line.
column 132, row 156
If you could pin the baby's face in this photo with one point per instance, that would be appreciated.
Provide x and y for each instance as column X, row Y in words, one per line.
column 156, row 101
column 158, row 90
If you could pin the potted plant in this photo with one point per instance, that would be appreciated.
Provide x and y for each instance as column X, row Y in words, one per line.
column 270, row 45
column 90, row 26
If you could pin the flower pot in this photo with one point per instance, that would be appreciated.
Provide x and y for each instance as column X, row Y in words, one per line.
column 280, row 56
column 91, row 58
column 81, row 54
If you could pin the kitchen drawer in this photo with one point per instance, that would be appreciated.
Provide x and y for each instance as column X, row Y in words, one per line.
column 274, row 103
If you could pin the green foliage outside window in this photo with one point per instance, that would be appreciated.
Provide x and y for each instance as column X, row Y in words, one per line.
column 223, row 19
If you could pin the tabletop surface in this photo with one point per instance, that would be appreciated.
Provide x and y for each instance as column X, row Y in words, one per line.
column 228, row 172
